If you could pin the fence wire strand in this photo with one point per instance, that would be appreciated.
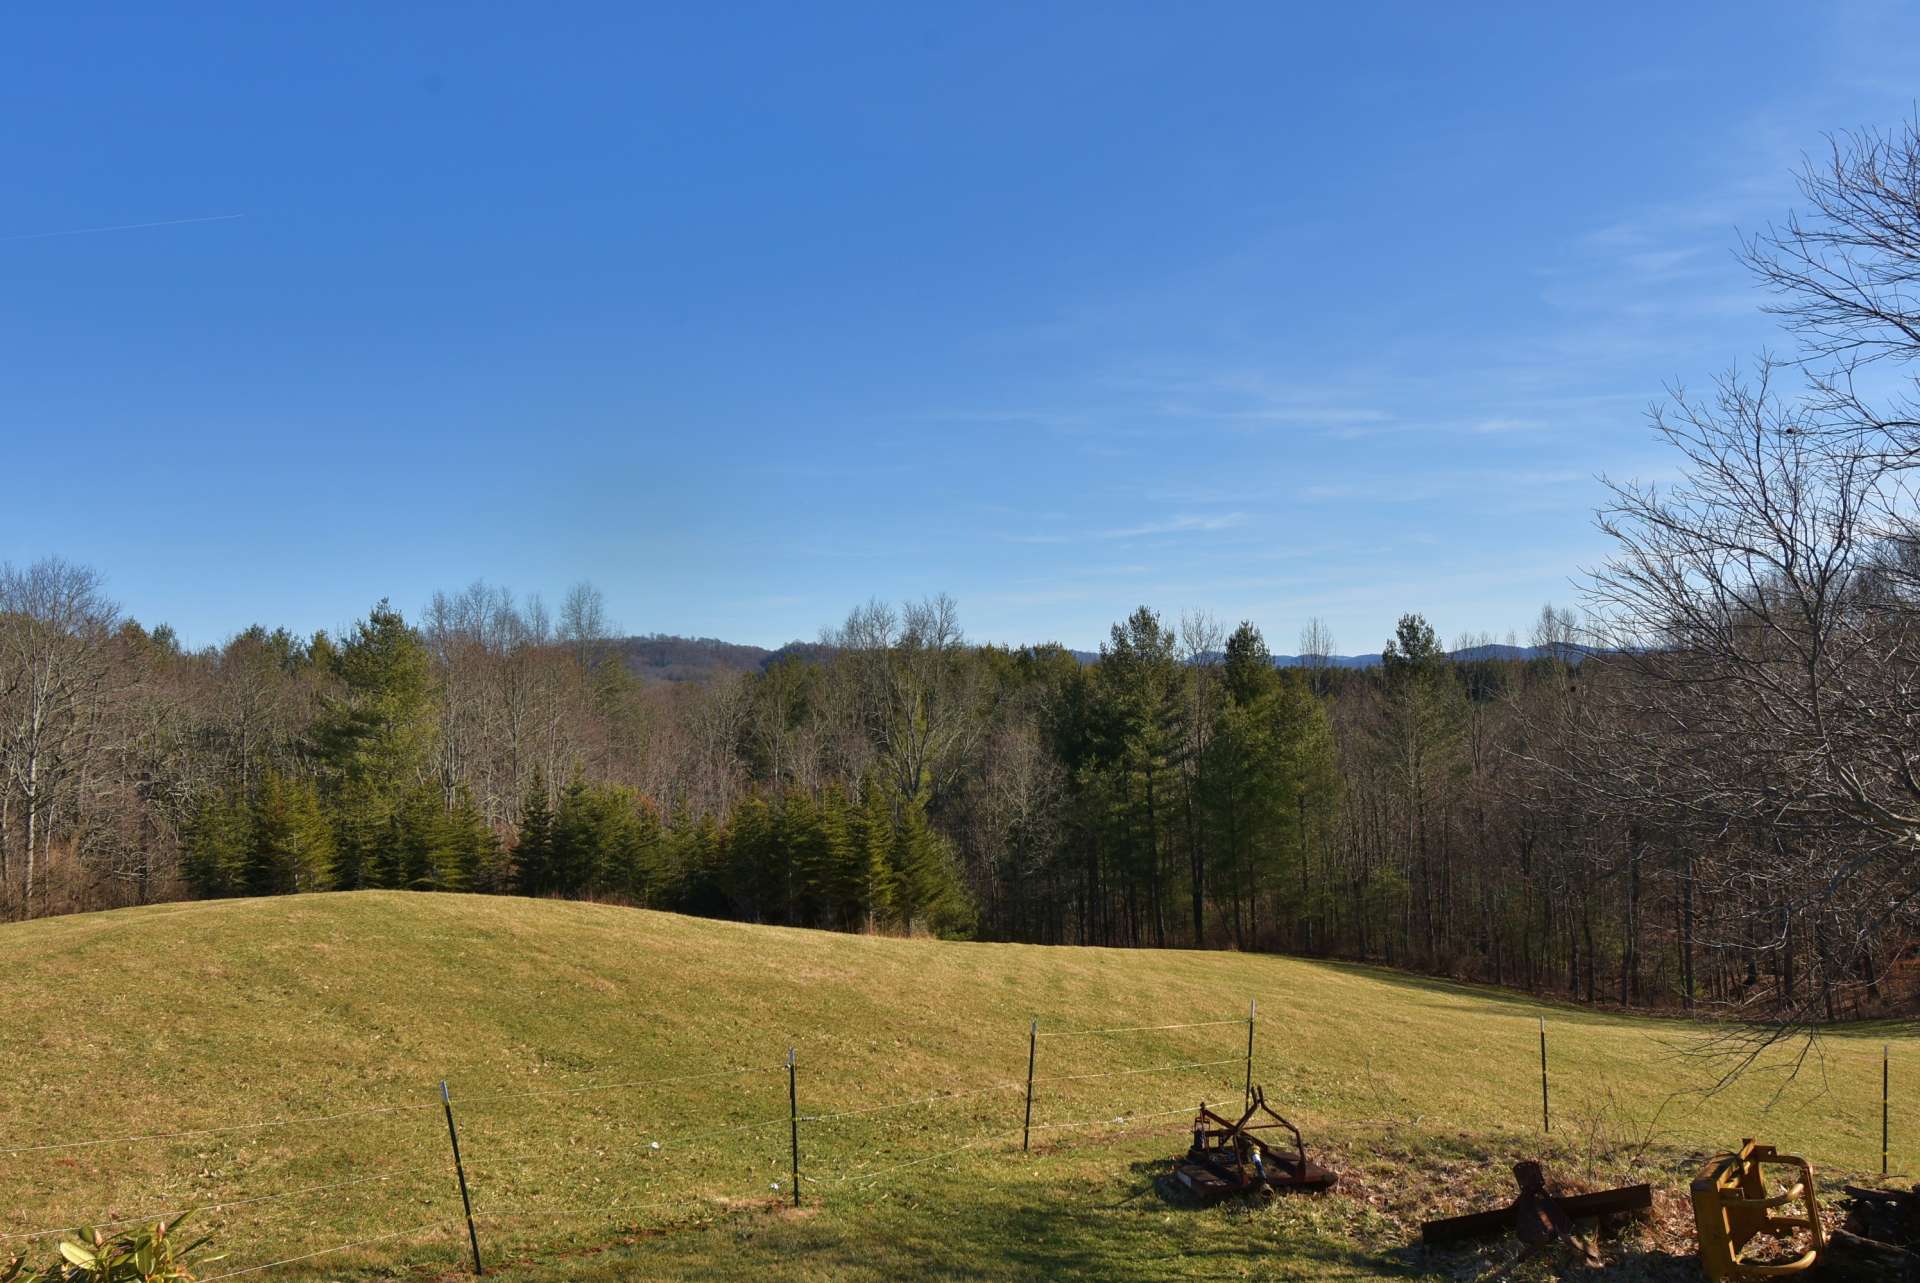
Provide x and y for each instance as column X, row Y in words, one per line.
column 1137, row 1029
column 976, row 1143
column 625, row 1086
column 1144, row 1069
column 990, row 1137
column 697, row 1132
column 218, row 1131
column 1117, row 1120
column 618, row 1207
column 373, row 1110
column 145, row 1217
column 442, row 1223
column 908, row 1104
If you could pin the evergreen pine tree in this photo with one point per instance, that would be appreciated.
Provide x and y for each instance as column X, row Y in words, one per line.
column 642, row 853
column 290, row 846
column 873, row 849
column 215, row 842
column 360, row 811
column 373, row 740
column 839, row 875
column 799, row 856
column 698, row 860
column 533, row 851
column 476, row 861
column 928, row 885
column 577, row 852
column 419, row 853
column 751, row 885
column 1247, row 668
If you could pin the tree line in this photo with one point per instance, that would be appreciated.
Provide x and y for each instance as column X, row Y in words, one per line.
column 1182, row 790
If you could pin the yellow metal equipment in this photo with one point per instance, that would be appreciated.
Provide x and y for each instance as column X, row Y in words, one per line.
column 1731, row 1207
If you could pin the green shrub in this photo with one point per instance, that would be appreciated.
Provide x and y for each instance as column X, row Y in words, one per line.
column 147, row 1254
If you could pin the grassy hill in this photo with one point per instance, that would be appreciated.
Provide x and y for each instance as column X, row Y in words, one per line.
column 577, row 1038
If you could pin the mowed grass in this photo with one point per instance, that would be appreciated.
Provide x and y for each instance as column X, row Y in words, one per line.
column 619, row 1080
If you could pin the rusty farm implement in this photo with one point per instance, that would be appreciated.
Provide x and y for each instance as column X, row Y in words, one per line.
column 1229, row 1156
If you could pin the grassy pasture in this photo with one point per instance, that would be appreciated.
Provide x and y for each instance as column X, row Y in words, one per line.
column 343, row 1012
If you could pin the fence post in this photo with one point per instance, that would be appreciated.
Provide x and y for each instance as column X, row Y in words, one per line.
column 793, row 1115
column 1546, row 1121
column 1886, row 1081
column 1033, row 1047
column 1253, row 1009
column 459, row 1170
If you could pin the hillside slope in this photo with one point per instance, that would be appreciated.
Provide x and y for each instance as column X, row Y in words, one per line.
column 576, row 1038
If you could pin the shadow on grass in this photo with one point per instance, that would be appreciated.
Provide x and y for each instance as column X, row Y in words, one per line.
column 1092, row 1223
column 1577, row 1012
column 1013, row 1232
column 1497, row 995
column 1618, row 1265
column 989, row 1232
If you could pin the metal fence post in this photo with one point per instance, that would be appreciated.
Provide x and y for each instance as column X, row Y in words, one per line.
column 1253, row 1010
column 1546, row 1122
column 1886, row 1082
column 459, row 1170
column 1033, row 1047
column 793, row 1115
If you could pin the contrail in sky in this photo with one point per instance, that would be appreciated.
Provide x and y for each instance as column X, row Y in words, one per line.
column 123, row 227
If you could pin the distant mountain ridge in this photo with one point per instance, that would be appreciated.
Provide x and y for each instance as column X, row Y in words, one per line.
column 663, row 657
column 1465, row 655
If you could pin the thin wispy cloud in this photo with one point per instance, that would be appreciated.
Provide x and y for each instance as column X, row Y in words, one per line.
column 1661, row 263
column 1293, row 415
column 1128, row 417
column 1180, row 525
column 1028, row 415
column 122, row 227
column 1424, row 486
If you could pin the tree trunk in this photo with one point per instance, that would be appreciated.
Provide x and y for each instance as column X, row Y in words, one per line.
column 1199, row 864
column 1686, row 924
column 1630, row 944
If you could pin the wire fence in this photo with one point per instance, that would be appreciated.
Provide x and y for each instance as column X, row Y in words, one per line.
column 447, row 1223
column 739, row 1128
column 148, row 1218
column 654, row 1153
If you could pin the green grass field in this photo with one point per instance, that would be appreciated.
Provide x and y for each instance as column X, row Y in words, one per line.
column 618, row 1077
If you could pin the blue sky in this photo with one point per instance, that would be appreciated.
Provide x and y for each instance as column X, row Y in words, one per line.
column 748, row 313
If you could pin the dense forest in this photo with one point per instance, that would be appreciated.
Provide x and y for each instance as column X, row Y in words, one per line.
column 1698, row 791
column 1181, row 789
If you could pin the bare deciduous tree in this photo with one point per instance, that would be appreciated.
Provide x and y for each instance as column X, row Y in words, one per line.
column 1316, row 652
column 1766, row 604
column 908, row 690
column 56, row 627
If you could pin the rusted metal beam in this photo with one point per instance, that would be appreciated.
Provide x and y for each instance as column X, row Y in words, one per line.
column 1536, row 1216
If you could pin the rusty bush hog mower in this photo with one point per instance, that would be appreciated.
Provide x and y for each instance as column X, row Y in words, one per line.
column 1228, row 1158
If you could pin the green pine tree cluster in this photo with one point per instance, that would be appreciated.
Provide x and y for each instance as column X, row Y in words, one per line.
column 790, row 858
column 276, row 841
column 372, row 812
column 601, row 841
column 1219, row 779
column 369, row 814
column 283, row 839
